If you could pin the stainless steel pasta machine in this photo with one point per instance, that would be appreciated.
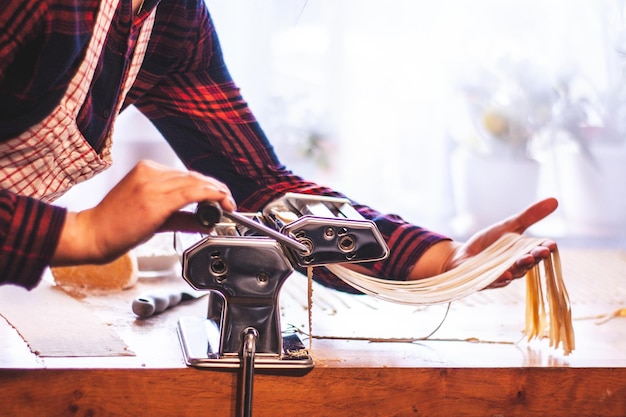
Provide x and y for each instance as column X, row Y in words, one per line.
column 244, row 263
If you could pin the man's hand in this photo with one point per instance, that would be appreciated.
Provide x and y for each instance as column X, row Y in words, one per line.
column 147, row 200
column 514, row 224
column 448, row 255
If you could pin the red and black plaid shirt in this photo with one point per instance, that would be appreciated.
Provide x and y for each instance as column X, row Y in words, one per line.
column 184, row 88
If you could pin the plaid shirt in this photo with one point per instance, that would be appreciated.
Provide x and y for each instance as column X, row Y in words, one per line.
column 184, row 88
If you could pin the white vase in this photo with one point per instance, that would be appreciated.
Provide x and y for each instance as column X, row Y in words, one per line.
column 490, row 188
column 591, row 191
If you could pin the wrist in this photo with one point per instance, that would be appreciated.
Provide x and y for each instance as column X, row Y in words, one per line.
column 435, row 260
column 75, row 245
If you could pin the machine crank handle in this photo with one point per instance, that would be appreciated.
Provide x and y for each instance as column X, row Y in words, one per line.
column 209, row 213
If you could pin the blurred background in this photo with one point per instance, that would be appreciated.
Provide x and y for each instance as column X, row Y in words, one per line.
column 452, row 114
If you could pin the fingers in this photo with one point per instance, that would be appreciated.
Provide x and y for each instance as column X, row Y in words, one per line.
column 524, row 263
column 501, row 282
column 148, row 199
column 533, row 214
column 180, row 188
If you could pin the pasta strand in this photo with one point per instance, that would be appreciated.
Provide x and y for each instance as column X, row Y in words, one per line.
column 476, row 274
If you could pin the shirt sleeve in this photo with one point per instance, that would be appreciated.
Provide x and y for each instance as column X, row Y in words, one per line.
column 193, row 101
column 29, row 234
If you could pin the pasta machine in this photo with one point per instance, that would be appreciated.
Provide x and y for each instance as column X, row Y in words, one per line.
column 244, row 262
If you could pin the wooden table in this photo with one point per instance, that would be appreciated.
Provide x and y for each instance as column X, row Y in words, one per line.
column 474, row 365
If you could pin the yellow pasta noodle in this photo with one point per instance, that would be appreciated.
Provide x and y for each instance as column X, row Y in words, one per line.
column 476, row 274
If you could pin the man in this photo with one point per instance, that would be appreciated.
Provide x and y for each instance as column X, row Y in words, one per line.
column 67, row 68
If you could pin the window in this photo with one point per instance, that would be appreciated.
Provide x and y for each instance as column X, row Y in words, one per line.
column 371, row 97
column 375, row 98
